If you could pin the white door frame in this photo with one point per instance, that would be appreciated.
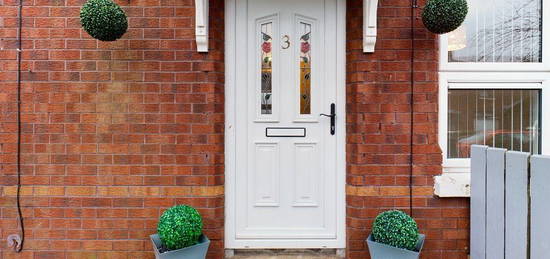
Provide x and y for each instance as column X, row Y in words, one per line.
column 230, row 139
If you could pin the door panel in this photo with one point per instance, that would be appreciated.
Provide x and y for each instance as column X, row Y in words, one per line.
column 306, row 175
column 265, row 181
column 286, row 175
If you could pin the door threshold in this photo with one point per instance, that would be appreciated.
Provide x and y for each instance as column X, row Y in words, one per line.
column 321, row 253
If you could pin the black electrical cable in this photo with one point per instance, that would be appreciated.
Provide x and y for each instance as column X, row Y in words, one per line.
column 411, row 158
column 19, row 246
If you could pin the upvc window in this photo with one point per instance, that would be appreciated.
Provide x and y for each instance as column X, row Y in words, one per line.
column 494, row 86
column 499, row 35
column 497, row 109
column 504, row 118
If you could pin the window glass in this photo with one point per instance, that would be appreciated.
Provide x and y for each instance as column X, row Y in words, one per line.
column 499, row 31
column 305, row 69
column 498, row 118
column 266, row 69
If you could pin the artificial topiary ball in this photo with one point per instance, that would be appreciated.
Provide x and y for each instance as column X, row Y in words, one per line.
column 103, row 20
column 179, row 227
column 442, row 16
column 395, row 228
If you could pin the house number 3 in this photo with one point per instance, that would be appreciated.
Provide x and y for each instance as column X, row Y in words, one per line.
column 286, row 42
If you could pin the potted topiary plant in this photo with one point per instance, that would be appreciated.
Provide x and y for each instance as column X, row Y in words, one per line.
column 395, row 236
column 180, row 234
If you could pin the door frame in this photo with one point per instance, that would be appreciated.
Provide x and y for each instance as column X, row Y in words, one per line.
column 230, row 140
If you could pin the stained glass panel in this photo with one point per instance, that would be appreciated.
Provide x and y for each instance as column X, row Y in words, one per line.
column 266, row 78
column 305, row 68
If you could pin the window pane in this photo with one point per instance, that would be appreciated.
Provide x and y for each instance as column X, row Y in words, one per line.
column 305, row 69
column 266, row 78
column 499, row 31
column 497, row 118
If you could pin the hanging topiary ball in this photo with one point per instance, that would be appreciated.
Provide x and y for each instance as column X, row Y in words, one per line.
column 103, row 20
column 442, row 16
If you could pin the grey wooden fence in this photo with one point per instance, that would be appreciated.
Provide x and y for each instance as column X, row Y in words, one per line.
column 510, row 204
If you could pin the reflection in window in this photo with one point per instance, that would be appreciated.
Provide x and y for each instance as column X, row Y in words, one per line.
column 499, row 31
column 266, row 74
column 498, row 118
column 305, row 69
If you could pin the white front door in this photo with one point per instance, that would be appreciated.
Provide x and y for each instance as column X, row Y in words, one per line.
column 288, row 186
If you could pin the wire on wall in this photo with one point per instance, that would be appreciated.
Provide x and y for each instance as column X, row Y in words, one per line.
column 411, row 158
column 18, row 244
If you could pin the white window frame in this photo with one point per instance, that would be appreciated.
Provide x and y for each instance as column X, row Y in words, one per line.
column 445, row 65
column 455, row 179
column 495, row 80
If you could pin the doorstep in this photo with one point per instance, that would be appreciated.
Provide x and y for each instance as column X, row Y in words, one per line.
column 285, row 253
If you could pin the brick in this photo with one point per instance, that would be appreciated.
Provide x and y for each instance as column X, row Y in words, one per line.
column 35, row 11
column 112, row 191
column 12, row 191
column 96, row 55
column 64, row 11
column 81, row 65
column 97, row 245
column 128, row 202
column 144, row 191
column 49, row 44
column 48, row 191
column 64, row 54
column 66, row 33
column 81, row 44
column 50, row 22
column 80, row 190
column 48, row 212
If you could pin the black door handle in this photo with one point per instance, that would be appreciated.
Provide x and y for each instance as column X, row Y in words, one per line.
column 332, row 117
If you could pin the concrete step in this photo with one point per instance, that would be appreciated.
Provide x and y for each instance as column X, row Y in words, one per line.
column 285, row 254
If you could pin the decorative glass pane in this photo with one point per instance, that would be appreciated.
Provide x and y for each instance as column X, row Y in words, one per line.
column 305, row 69
column 266, row 79
column 499, row 31
column 266, row 76
column 498, row 118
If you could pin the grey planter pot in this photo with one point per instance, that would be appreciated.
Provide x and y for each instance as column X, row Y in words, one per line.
column 197, row 251
column 383, row 251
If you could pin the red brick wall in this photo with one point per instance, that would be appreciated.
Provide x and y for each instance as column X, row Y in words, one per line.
column 113, row 133
column 378, row 128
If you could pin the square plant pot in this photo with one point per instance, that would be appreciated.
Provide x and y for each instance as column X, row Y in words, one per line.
column 197, row 251
column 383, row 251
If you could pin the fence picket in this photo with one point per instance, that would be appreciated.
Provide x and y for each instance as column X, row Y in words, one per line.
column 540, row 207
column 516, row 205
column 509, row 204
column 495, row 203
column 478, row 202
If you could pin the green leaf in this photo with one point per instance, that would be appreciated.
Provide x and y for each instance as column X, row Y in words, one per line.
column 265, row 36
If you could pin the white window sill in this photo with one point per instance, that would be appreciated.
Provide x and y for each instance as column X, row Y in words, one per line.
column 452, row 185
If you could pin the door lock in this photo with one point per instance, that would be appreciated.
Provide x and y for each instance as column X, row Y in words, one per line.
column 332, row 117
